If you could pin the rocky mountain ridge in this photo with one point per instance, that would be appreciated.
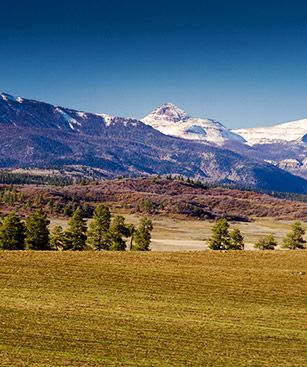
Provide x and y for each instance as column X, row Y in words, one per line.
column 38, row 134
column 171, row 120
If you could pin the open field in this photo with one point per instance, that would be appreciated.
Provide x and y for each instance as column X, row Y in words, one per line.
column 178, row 235
column 153, row 309
column 171, row 234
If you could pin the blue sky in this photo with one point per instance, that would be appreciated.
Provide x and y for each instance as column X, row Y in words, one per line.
column 241, row 62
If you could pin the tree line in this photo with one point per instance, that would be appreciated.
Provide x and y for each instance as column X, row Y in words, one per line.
column 11, row 197
column 102, row 233
column 224, row 239
column 107, row 233
column 23, row 178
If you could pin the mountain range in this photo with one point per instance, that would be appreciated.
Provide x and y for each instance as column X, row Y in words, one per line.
column 284, row 145
column 35, row 134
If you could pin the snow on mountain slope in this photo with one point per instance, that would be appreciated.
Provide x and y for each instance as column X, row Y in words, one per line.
column 21, row 112
column 38, row 134
column 171, row 120
column 289, row 131
column 7, row 97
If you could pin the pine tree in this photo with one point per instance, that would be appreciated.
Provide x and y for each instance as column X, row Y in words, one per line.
column 75, row 235
column 12, row 233
column 118, row 230
column 37, row 232
column 131, row 230
column 97, row 235
column 50, row 206
column 28, row 204
column 57, row 238
column 142, row 235
column 38, row 200
column 11, row 199
column 295, row 239
column 21, row 197
column 266, row 243
column 236, row 240
column 67, row 210
column 220, row 238
column 57, row 207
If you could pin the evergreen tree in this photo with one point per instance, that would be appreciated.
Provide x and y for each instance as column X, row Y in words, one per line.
column 57, row 207
column 11, row 199
column 266, row 243
column 131, row 230
column 57, row 238
column 97, row 235
column 37, row 232
column 295, row 239
column 142, row 236
column 12, row 233
column 67, row 210
column 75, row 235
column 118, row 230
column 220, row 238
column 38, row 200
column 28, row 204
column 50, row 206
column 236, row 240
column 21, row 197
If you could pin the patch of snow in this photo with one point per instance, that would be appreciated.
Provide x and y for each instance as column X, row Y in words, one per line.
column 134, row 123
column 270, row 162
column 8, row 97
column 107, row 118
column 130, row 122
column 290, row 160
column 4, row 97
column 286, row 132
column 67, row 118
column 83, row 115
column 289, row 163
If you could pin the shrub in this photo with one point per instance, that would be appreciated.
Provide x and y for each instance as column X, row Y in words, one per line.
column 266, row 243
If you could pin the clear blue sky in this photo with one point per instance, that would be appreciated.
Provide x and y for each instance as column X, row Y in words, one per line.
column 241, row 62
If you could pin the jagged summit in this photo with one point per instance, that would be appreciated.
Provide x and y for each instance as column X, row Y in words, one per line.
column 171, row 120
column 168, row 112
column 39, row 134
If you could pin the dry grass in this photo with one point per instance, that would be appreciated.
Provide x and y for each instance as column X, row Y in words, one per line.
column 153, row 309
column 184, row 235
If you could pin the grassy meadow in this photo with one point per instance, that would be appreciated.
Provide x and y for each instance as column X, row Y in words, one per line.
column 180, row 234
column 153, row 309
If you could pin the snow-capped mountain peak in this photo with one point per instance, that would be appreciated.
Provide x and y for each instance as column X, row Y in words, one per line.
column 167, row 112
column 289, row 131
column 171, row 120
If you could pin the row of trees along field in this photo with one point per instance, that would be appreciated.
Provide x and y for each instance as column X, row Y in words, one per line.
column 224, row 239
column 103, row 232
